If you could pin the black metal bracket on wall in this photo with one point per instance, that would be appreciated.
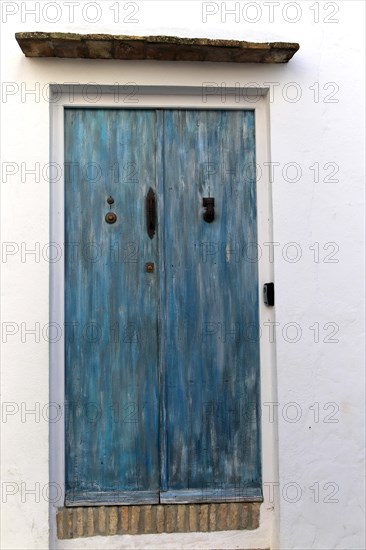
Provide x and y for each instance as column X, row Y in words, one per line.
column 268, row 294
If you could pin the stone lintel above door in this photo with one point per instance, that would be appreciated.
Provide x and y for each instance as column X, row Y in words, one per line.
column 158, row 48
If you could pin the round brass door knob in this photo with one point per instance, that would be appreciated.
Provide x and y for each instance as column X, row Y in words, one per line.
column 110, row 217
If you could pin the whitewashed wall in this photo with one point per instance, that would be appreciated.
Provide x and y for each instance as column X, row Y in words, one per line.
column 316, row 114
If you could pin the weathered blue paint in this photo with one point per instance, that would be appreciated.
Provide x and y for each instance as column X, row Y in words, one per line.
column 110, row 306
column 212, row 348
column 183, row 377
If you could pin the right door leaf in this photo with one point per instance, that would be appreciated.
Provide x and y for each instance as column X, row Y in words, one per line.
column 211, row 277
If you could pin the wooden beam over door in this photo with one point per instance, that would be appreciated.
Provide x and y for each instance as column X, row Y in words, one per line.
column 158, row 48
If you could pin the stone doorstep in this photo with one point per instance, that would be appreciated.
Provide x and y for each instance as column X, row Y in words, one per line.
column 163, row 48
column 89, row 521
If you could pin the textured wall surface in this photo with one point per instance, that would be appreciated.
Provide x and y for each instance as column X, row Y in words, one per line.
column 316, row 105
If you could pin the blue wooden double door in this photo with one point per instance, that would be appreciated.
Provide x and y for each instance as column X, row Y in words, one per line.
column 161, row 307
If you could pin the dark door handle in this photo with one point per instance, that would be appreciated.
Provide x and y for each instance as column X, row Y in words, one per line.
column 150, row 206
column 209, row 204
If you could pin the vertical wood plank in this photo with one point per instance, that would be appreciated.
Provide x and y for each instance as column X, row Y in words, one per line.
column 211, row 280
column 110, row 305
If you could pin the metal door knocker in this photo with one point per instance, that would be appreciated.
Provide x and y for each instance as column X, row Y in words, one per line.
column 110, row 217
column 150, row 207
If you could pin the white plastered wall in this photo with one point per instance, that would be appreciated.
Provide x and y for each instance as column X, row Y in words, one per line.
column 320, row 383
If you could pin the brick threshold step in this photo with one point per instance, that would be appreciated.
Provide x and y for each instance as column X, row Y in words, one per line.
column 90, row 521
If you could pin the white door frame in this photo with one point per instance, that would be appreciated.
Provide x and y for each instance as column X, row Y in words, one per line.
column 168, row 97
